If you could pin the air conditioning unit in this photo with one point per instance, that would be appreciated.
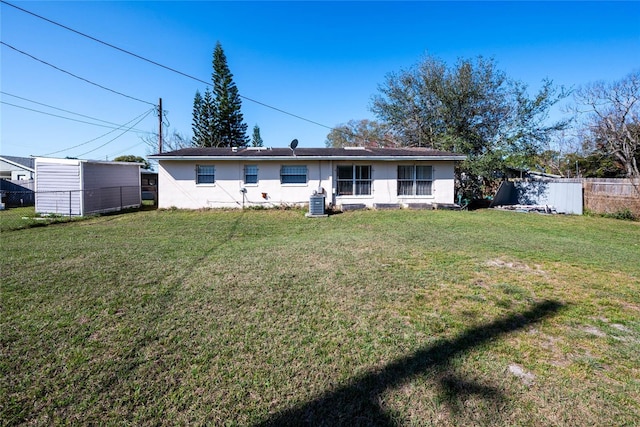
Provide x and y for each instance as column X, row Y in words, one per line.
column 316, row 205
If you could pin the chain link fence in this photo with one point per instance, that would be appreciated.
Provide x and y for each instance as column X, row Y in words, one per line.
column 25, row 209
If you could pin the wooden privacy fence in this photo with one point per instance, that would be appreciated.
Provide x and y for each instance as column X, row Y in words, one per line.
column 611, row 195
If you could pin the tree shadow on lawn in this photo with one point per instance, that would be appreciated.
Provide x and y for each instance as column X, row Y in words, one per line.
column 357, row 403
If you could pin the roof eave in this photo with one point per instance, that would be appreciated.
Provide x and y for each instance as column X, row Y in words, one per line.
column 18, row 165
column 294, row 158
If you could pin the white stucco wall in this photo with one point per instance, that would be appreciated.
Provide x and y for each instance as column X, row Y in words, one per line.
column 177, row 184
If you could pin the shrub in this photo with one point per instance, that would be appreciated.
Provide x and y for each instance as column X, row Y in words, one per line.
column 624, row 214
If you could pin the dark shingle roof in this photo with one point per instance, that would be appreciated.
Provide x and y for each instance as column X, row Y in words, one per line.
column 328, row 153
column 27, row 162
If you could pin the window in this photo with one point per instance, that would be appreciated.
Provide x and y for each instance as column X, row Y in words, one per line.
column 251, row 174
column 293, row 175
column 205, row 174
column 354, row 180
column 415, row 180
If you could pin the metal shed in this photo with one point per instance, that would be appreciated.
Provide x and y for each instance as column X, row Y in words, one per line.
column 76, row 187
column 562, row 196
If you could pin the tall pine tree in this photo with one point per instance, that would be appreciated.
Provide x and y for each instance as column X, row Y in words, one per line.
column 217, row 117
column 256, row 139
column 196, row 124
column 209, row 123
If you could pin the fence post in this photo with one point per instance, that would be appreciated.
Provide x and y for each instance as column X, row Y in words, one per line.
column 70, row 210
column 120, row 197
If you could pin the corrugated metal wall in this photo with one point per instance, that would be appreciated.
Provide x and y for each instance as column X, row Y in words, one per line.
column 110, row 186
column 57, row 188
column 77, row 187
column 563, row 196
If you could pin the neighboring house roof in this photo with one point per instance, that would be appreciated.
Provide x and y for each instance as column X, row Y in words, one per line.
column 525, row 173
column 348, row 153
column 20, row 162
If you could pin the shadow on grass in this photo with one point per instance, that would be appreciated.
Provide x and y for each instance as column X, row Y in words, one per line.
column 357, row 403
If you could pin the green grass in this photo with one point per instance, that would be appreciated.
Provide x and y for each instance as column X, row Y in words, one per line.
column 19, row 218
column 363, row 318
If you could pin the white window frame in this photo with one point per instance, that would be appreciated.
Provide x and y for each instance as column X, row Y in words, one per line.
column 283, row 174
column 201, row 173
column 354, row 181
column 415, row 181
column 246, row 174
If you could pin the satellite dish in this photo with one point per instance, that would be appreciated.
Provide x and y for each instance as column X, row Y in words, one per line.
column 293, row 144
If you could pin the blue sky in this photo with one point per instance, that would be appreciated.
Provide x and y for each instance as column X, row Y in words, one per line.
column 322, row 61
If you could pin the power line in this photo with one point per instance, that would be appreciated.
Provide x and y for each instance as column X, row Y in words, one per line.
column 125, row 150
column 111, row 140
column 59, row 109
column 69, row 118
column 160, row 65
column 145, row 114
column 73, row 75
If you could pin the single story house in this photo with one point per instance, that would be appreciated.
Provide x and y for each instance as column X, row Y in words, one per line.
column 16, row 181
column 193, row 178
column 82, row 187
column 16, row 168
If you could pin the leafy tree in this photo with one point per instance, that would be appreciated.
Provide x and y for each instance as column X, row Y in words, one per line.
column 359, row 133
column 471, row 108
column 592, row 165
column 217, row 117
column 256, row 140
column 133, row 159
column 612, row 119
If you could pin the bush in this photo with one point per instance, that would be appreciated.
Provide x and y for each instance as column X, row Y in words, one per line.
column 624, row 214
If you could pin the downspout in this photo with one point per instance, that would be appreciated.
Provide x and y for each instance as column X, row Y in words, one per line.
column 333, row 183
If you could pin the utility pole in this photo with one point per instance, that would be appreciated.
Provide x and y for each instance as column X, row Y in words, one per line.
column 160, row 126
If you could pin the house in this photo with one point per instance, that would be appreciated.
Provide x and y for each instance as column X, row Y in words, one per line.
column 82, row 187
column 349, row 177
column 16, row 181
column 17, row 168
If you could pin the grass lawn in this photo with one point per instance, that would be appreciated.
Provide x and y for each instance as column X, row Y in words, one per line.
column 25, row 217
column 363, row 318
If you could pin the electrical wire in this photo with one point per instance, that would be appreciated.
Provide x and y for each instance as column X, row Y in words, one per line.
column 142, row 58
column 66, row 118
column 73, row 75
column 161, row 65
column 111, row 140
column 101, row 136
column 60, row 109
column 119, row 152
